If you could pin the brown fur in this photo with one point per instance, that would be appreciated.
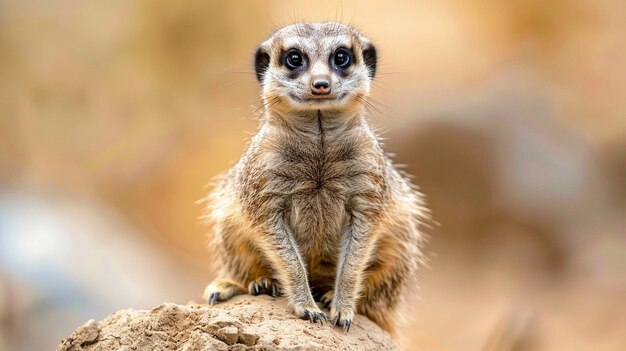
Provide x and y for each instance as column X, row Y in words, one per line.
column 315, row 205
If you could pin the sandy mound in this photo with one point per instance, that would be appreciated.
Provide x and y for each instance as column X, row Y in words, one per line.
column 244, row 323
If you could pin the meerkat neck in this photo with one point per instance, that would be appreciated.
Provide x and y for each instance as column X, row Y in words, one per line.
column 315, row 119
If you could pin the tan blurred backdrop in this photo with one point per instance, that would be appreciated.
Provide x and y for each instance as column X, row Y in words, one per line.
column 511, row 116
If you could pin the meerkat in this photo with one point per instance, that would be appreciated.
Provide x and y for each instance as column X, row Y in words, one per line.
column 314, row 207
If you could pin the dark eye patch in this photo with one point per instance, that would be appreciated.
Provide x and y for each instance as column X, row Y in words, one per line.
column 342, row 58
column 294, row 60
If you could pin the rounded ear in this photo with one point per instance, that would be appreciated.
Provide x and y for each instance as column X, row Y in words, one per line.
column 261, row 63
column 370, row 58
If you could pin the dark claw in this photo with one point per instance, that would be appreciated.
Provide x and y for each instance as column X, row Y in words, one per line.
column 314, row 317
column 346, row 324
column 321, row 317
column 274, row 290
column 213, row 298
column 255, row 289
column 325, row 302
column 264, row 283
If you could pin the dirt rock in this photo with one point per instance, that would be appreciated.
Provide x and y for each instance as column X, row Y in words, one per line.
column 243, row 323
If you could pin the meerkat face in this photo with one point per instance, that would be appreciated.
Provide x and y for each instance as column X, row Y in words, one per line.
column 316, row 66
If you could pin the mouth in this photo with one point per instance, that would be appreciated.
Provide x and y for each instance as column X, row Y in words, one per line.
column 318, row 99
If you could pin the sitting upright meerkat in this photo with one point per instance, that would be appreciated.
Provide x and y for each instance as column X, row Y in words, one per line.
column 315, row 207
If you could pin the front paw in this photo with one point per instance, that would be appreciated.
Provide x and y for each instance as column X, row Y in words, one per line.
column 311, row 312
column 341, row 315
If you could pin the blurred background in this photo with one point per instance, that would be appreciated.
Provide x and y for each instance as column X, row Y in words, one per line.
column 511, row 117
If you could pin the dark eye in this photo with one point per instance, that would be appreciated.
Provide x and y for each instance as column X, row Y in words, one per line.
column 342, row 58
column 293, row 59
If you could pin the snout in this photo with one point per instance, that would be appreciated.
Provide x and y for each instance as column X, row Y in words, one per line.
column 320, row 86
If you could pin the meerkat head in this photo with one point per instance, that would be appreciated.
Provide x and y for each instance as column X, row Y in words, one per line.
column 314, row 66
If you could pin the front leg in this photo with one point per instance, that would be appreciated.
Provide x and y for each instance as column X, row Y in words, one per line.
column 355, row 252
column 280, row 248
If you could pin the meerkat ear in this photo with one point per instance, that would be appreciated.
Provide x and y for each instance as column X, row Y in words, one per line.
column 261, row 63
column 370, row 58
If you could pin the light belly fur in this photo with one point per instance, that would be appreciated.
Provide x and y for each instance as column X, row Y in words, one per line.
column 318, row 221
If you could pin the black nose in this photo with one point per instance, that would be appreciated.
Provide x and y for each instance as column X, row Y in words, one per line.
column 320, row 87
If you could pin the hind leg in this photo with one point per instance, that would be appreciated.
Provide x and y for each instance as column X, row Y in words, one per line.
column 222, row 289
column 264, row 285
column 327, row 298
column 381, row 298
column 381, row 309
column 389, row 276
column 242, row 269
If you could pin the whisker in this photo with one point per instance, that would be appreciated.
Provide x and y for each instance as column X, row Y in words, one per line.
column 266, row 104
column 367, row 104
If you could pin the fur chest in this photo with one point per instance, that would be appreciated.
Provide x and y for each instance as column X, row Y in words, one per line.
column 311, row 172
column 316, row 170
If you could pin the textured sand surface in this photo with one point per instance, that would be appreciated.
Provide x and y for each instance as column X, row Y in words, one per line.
column 244, row 323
